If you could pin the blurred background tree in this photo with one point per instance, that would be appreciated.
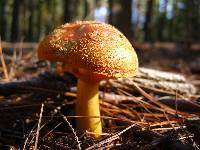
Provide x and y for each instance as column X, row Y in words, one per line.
column 139, row 20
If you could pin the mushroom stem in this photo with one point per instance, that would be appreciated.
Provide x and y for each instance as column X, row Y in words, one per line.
column 87, row 105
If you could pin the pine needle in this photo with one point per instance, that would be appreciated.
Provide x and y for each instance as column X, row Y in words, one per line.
column 38, row 128
column 3, row 63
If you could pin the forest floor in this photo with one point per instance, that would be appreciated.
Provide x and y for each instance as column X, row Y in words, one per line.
column 155, row 110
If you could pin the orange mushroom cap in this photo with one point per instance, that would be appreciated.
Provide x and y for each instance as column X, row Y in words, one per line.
column 91, row 50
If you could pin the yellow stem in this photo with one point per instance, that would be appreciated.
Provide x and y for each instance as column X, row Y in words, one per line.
column 87, row 105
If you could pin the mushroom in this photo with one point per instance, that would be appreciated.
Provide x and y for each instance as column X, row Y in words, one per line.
column 92, row 51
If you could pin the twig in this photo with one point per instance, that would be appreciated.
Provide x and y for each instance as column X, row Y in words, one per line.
column 27, row 138
column 110, row 139
column 161, row 75
column 25, row 45
column 52, row 130
column 20, row 49
column 75, row 136
column 3, row 63
column 38, row 128
column 163, row 106
column 166, row 128
column 13, row 64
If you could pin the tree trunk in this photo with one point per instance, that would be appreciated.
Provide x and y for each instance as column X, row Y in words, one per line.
column 49, row 20
column 191, row 22
column 3, row 20
column 110, row 17
column 89, row 10
column 31, row 7
column 124, row 18
column 161, row 22
column 78, row 10
column 15, row 21
column 39, row 18
column 68, row 10
column 149, row 12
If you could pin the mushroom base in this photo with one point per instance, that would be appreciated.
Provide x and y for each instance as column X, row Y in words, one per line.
column 87, row 107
